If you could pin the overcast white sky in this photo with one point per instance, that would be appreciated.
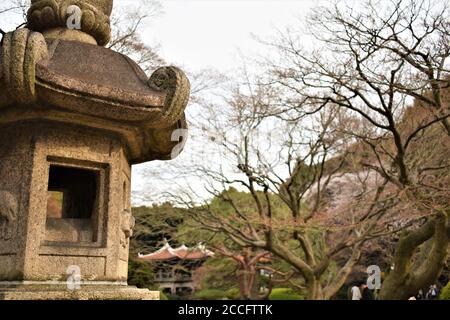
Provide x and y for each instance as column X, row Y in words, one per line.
column 209, row 33
column 198, row 34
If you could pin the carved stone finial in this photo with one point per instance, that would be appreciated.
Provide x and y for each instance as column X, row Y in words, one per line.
column 21, row 51
column 45, row 15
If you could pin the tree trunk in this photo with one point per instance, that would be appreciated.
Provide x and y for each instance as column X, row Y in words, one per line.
column 247, row 284
column 314, row 289
column 409, row 276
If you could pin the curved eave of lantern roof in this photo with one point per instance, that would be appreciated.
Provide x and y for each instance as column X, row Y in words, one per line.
column 88, row 85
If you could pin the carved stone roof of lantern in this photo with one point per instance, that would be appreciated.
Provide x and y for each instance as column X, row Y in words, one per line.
column 49, row 72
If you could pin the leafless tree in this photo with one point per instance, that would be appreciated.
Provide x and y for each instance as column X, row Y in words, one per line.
column 127, row 26
column 286, row 168
column 248, row 265
column 380, row 61
column 16, row 6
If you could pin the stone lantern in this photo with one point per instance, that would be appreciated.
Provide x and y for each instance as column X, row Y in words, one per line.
column 74, row 118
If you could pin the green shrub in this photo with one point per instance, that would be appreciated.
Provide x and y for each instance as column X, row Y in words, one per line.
column 162, row 296
column 233, row 294
column 445, row 293
column 285, row 294
column 172, row 297
column 210, row 294
column 140, row 274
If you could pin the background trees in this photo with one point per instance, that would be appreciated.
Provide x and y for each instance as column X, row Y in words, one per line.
column 288, row 169
column 385, row 63
column 367, row 99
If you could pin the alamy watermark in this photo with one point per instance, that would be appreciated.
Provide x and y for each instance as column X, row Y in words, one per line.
column 180, row 136
column 74, row 278
column 74, row 19
column 374, row 277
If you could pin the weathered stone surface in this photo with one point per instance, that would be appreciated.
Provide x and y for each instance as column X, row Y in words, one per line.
column 101, row 74
column 74, row 117
column 68, row 35
column 88, row 85
column 62, row 75
column 86, row 292
column 35, row 251
column 8, row 215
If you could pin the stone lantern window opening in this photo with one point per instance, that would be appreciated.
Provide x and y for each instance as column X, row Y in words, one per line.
column 78, row 188
column 72, row 205
column 55, row 203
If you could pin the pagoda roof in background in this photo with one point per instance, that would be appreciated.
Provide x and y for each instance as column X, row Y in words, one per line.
column 183, row 253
